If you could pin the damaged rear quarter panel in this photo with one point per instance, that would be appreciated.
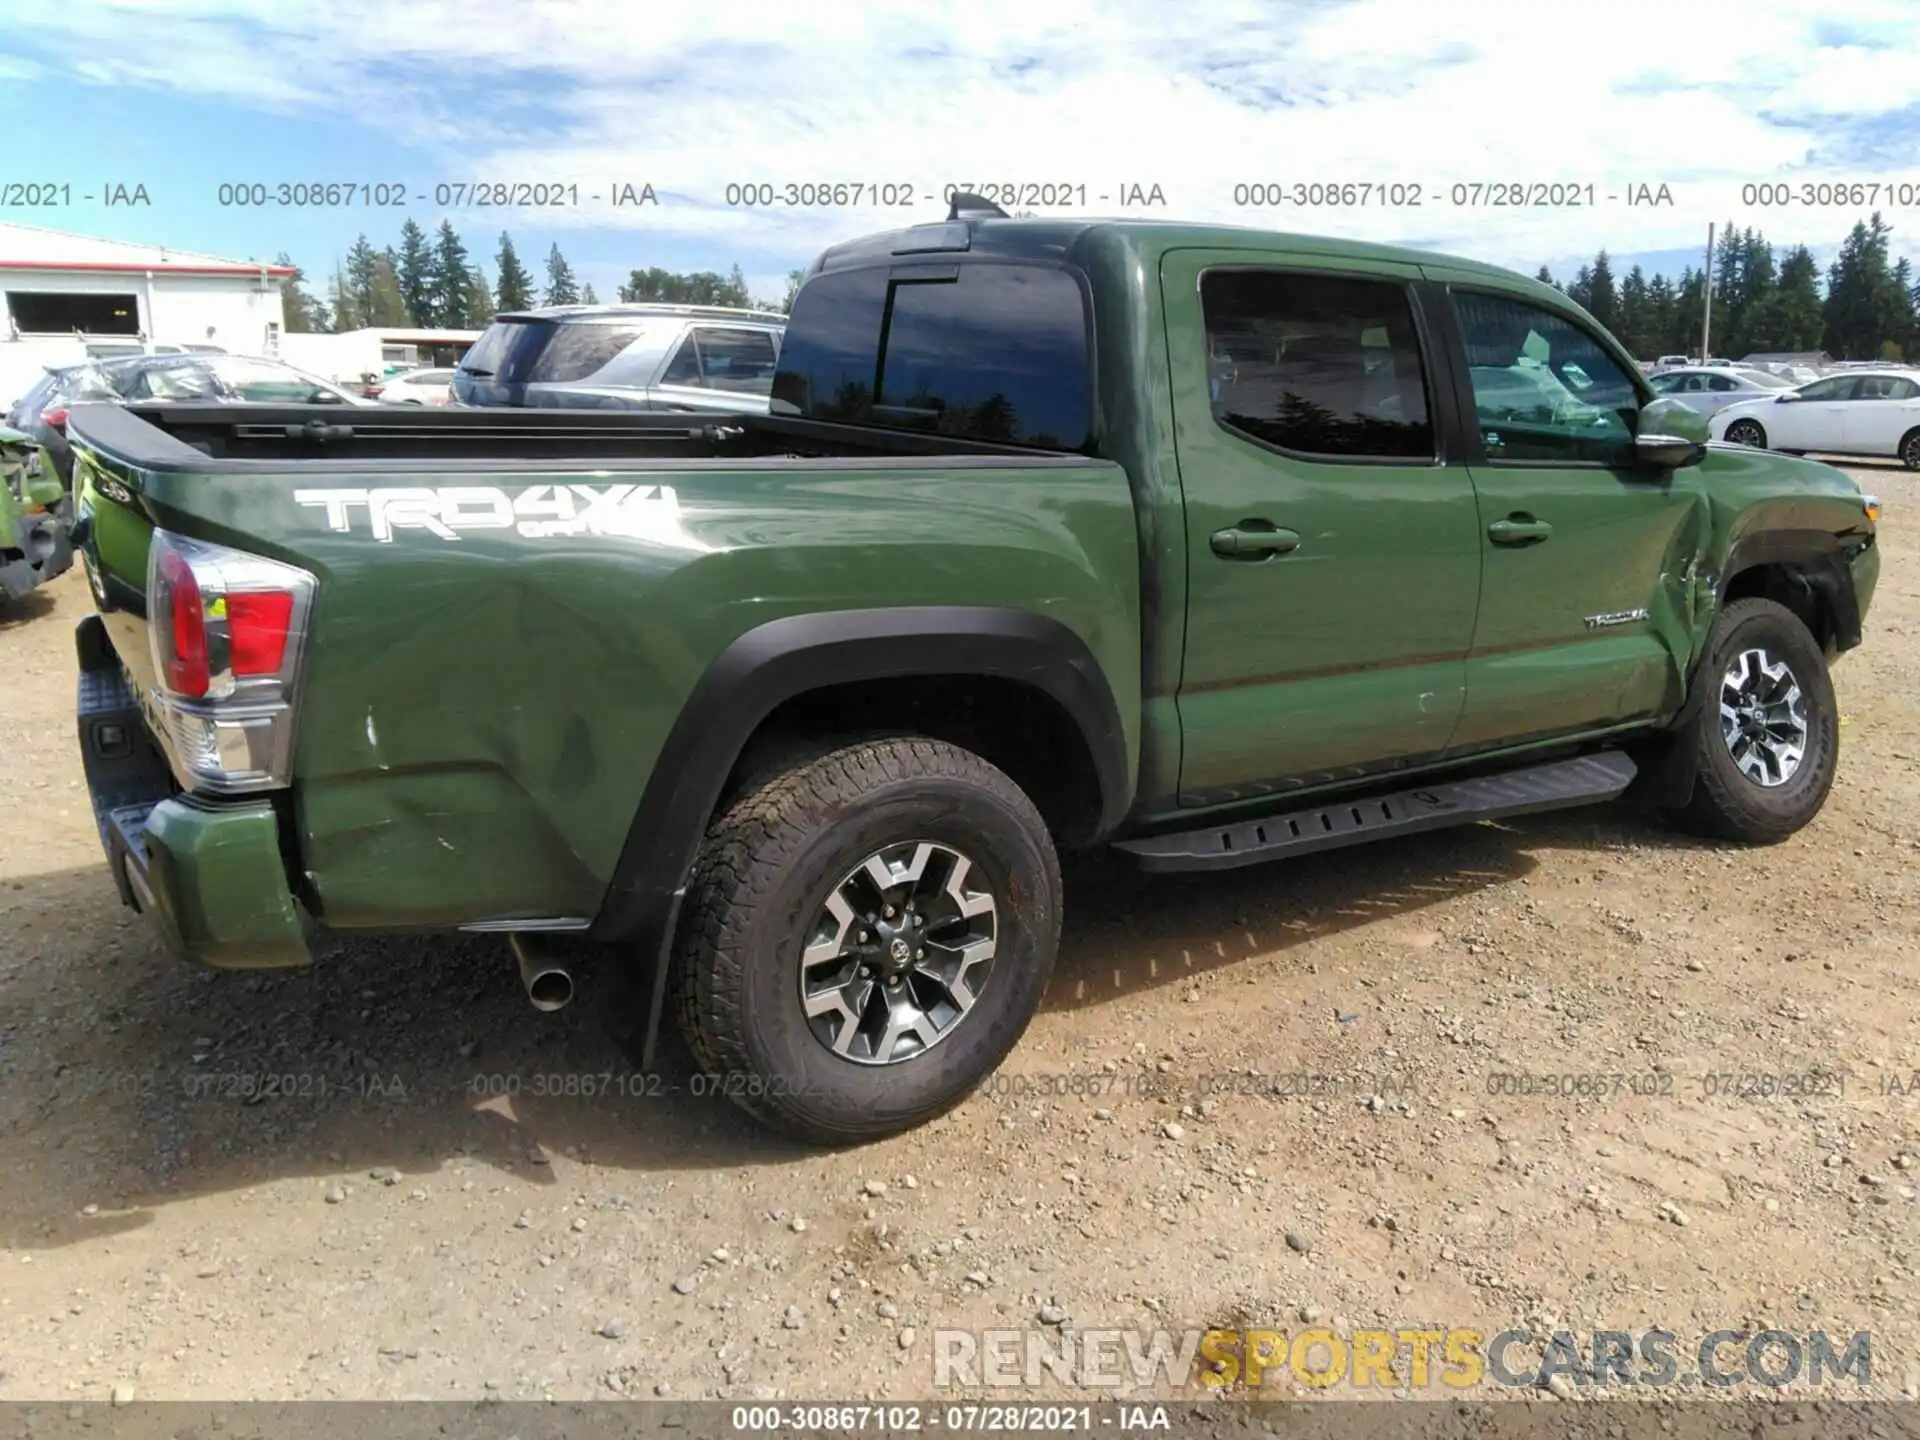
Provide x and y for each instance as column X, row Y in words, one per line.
column 480, row 715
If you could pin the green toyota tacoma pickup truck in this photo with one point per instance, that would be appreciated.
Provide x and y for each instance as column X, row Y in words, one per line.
column 1208, row 545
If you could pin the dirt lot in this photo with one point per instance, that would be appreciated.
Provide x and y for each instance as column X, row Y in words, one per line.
column 386, row 1228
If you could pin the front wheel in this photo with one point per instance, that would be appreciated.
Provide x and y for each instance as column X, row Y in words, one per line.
column 1767, row 736
column 867, row 934
column 1747, row 432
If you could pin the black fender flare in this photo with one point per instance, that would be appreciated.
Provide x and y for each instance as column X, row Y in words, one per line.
column 782, row 659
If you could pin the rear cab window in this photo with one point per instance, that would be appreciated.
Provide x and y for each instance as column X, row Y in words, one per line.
column 983, row 350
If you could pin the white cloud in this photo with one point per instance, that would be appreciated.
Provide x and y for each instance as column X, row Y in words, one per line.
column 1195, row 97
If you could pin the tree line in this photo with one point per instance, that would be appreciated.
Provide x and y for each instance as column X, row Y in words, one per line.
column 1867, row 309
column 432, row 282
column 1763, row 301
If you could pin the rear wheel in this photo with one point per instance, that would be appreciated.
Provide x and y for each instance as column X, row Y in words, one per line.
column 1747, row 432
column 1767, row 737
column 1910, row 449
column 868, row 934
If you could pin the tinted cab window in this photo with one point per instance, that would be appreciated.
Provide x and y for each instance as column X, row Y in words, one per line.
column 1316, row 364
column 982, row 351
column 1544, row 389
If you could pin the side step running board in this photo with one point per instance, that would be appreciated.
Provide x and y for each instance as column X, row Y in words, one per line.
column 1554, row 786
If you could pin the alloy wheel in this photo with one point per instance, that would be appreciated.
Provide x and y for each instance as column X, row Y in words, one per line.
column 898, row 953
column 1763, row 718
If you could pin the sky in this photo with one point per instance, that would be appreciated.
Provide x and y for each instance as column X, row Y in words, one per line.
column 1201, row 99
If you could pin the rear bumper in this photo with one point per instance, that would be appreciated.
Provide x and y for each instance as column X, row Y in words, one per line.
column 208, row 874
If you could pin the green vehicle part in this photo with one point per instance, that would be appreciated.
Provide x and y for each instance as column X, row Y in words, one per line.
column 536, row 656
column 35, row 518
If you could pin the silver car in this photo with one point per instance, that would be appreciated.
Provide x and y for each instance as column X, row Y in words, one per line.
column 624, row 357
column 1707, row 388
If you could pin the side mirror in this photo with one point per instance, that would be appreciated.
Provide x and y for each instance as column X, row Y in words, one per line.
column 1670, row 435
column 1785, row 396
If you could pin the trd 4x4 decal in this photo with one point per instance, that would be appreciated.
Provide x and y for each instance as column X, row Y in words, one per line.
column 634, row 512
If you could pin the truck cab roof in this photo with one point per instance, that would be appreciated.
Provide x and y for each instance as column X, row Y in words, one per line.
column 1047, row 238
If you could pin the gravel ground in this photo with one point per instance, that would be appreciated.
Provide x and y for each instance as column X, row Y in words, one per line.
column 394, row 1224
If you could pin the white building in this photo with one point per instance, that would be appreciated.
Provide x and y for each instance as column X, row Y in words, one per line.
column 58, row 285
column 379, row 350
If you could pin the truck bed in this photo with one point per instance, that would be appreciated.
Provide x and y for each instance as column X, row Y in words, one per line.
column 168, row 437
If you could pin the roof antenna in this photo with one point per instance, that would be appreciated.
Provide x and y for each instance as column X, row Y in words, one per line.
column 965, row 202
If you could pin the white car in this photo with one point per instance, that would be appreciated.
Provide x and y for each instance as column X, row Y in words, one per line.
column 415, row 387
column 1860, row 412
column 1708, row 389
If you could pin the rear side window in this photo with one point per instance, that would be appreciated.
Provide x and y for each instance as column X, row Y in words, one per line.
column 1316, row 364
column 720, row 359
column 983, row 352
column 577, row 351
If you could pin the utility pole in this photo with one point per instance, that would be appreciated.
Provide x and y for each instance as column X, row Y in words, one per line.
column 1706, row 321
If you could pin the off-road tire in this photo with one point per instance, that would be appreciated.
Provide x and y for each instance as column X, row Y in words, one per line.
column 1727, row 804
column 765, row 868
column 1746, row 426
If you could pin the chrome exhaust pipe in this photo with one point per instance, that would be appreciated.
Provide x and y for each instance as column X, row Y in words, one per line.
column 547, row 980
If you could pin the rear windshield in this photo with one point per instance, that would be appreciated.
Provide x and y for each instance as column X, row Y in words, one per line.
column 981, row 351
column 521, row 352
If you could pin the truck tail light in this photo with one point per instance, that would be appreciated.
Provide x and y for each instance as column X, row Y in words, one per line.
column 179, row 618
column 228, row 632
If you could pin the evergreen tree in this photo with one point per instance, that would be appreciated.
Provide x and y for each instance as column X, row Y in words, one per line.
column 300, row 312
column 478, row 308
column 346, row 310
column 1689, row 312
column 1633, row 324
column 1788, row 317
column 388, row 305
column 362, row 269
column 1543, row 275
column 587, row 295
column 1857, row 283
column 562, row 289
column 451, row 280
column 515, row 290
column 1579, row 287
column 1896, row 304
column 1601, row 302
column 413, row 268
column 1660, row 316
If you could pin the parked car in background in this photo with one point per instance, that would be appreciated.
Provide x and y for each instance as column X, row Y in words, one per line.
column 1857, row 412
column 36, row 518
column 624, row 357
column 1707, row 388
column 222, row 379
column 41, row 413
column 1669, row 362
column 415, row 387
